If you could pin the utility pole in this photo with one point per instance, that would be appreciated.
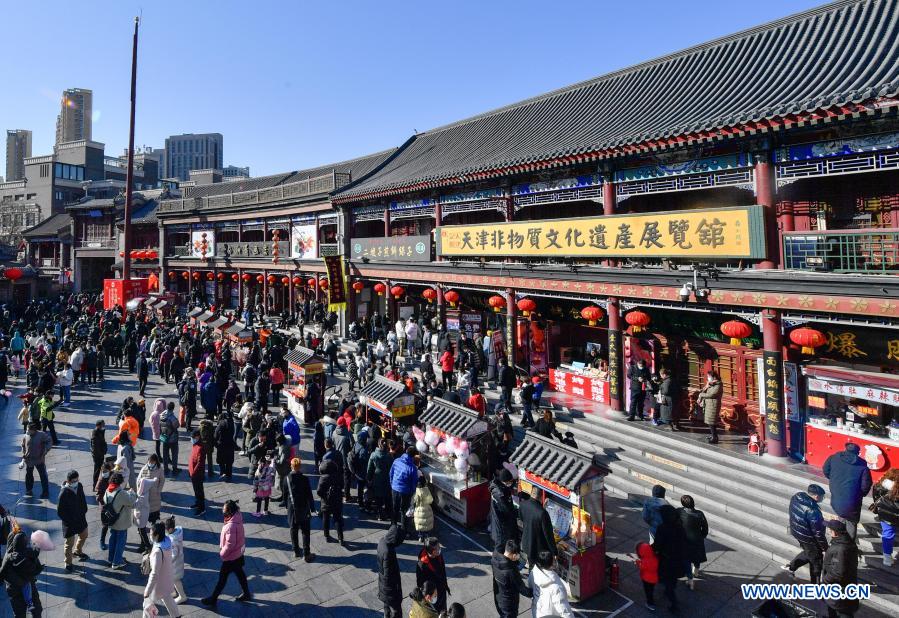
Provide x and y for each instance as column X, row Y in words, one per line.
column 129, row 179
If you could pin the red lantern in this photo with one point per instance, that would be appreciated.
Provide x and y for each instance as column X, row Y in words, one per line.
column 259, row 278
column 526, row 306
column 272, row 279
column 121, row 254
column 234, row 277
column 210, row 276
column 638, row 320
column 358, row 286
column 172, row 274
column 452, row 297
column 592, row 314
column 185, row 275
column 133, row 254
column 429, row 294
column 736, row 330
column 196, row 276
column 397, row 291
column 13, row 273
column 246, row 277
column 220, row 276
column 380, row 288
column 311, row 282
column 497, row 302
column 323, row 284
column 808, row 338
column 297, row 281
column 152, row 255
column 276, row 236
column 285, row 280
column 141, row 255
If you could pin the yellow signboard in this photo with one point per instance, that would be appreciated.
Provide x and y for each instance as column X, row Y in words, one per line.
column 736, row 232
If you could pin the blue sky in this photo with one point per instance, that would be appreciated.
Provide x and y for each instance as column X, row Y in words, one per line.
column 297, row 84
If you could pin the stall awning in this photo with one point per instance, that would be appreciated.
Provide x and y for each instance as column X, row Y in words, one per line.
column 218, row 322
column 151, row 302
column 554, row 461
column 452, row 418
column 301, row 356
column 162, row 303
column 383, row 391
column 205, row 316
column 235, row 328
column 194, row 312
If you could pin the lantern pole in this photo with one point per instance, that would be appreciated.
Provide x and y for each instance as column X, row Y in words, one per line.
column 129, row 178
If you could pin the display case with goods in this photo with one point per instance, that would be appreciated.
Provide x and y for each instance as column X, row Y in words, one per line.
column 304, row 368
column 390, row 400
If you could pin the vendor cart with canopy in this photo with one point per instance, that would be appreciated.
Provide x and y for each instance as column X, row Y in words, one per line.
column 454, row 455
column 571, row 486
column 303, row 369
column 391, row 400
column 239, row 333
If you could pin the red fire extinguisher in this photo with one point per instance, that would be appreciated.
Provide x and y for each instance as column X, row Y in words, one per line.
column 755, row 445
column 614, row 574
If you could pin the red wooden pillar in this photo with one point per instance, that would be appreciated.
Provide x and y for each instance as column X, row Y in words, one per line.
column 608, row 205
column 765, row 196
column 441, row 306
column 771, row 404
column 615, row 355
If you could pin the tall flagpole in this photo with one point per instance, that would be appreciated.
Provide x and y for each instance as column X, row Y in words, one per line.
column 129, row 179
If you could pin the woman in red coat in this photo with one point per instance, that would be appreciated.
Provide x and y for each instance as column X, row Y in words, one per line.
column 447, row 361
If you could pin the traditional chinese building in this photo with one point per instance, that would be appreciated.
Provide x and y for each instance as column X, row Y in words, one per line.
column 733, row 207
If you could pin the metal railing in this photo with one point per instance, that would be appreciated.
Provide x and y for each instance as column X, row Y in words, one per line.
column 327, row 249
column 867, row 251
column 103, row 243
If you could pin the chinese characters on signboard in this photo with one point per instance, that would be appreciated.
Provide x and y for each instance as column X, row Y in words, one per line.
column 791, row 391
column 614, row 364
column 336, row 282
column 853, row 391
column 772, row 373
column 717, row 233
column 392, row 249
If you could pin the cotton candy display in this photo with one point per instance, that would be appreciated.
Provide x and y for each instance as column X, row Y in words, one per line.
column 431, row 438
column 441, row 449
column 418, row 433
column 421, row 446
column 41, row 540
column 461, row 466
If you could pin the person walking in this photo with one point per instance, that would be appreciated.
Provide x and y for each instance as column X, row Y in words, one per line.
column 300, row 505
column 161, row 582
column 403, row 482
column 710, row 400
column 886, row 507
column 330, row 490
column 232, row 543
column 72, row 510
column 263, row 481
column 176, row 534
column 100, row 495
column 195, row 470
column 508, row 585
column 99, row 448
column 207, row 439
column 423, row 597
column 155, row 416
column 652, row 513
column 850, row 481
column 550, row 595
column 151, row 470
column 503, row 522
column 670, row 546
column 432, row 568
column 841, row 568
column 666, row 393
column 48, row 415
column 423, row 514
column 507, row 381
column 119, row 502
column 378, row 480
column 143, row 373
column 225, row 444
column 807, row 527
column 343, row 444
column 168, row 436
column 19, row 570
column 696, row 529
column 390, row 586
column 648, row 566
column 141, row 514
column 64, row 379
column 536, row 528
column 35, row 446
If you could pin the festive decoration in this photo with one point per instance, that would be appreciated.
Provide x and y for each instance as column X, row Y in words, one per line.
column 358, row 286
column 397, row 291
column 172, row 274
column 276, row 236
column 452, row 297
column 234, row 277
column 429, row 294
column 185, row 275
column 736, row 330
column 323, row 284
column 592, row 314
column 13, row 273
column 431, row 438
column 421, row 446
column 272, row 279
column 246, row 277
column 204, row 246
column 297, row 281
column 311, row 282
column 259, row 278
column 196, row 276
column 285, row 280
column 808, row 338
column 526, row 306
column 210, row 276
column 220, row 276
column 121, row 254
column 638, row 320
column 380, row 288
column 497, row 302
column 152, row 255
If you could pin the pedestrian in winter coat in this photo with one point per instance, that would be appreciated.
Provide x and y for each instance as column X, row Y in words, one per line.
column 195, row 468
column 176, row 535
column 151, row 470
column 161, row 583
column 99, row 447
column 503, row 522
column 121, row 501
column 207, row 439
column 666, row 395
column 423, row 515
column 125, row 459
column 550, row 595
column 403, row 482
column 423, row 601
column 263, row 481
column 223, row 439
column 670, row 546
column 886, row 504
column 158, row 408
column 330, row 490
column 209, row 398
column 141, row 513
column 840, row 567
column 710, row 400
column 652, row 510
column 168, row 435
column 431, row 567
column 696, row 528
column 390, row 589
column 850, row 482
column 343, row 444
column 378, row 479
column 300, row 505
column 536, row 528
column 72, row 510
column 19, row 570
column 807, row 527
column 35, row 446
column 232, row 543
column 508, row 585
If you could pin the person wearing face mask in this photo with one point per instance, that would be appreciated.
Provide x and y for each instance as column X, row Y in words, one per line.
column 195, row 468
column 638, row 382
column 98, row 447
column 840, row 567
column 231, row 550
column 710, row 400
column 100, row 494
column 503, row 523
column 152, row 471
column 423, row 598
column 35, row 446
column 431, row 568
column 72, row 510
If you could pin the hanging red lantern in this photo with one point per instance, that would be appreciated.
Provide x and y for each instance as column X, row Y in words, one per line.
column 276, row 236
column 260, row 279
column 452, row 297
column 311, row 282
column 592, row 314
column 220, row 276
column 185, row 275
column 133, row 254
column 272, row 279
column 152, row 255
column 323, row 284
column 234, row 277
column 808, row 338
column 497, row 302
column 246, row 277
column 121, row 254
column 429, row 294
column 142, row 255
column 172, row 274
column 638, row 320
column 397, row 291
column 526, row 306
column 210, row 276
column 380, row 288
column 13, row 273
column 297, row 281
column 358, row 286
column 736, row 330
column 196, row 276
column 285, row 280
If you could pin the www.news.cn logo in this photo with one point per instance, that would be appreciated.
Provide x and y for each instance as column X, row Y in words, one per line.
column 806, row 592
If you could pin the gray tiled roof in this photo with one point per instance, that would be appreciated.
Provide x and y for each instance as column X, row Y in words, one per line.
column 235, row 328
column 194, row 312
column 301, row 355
column 552, row 460
column 452, row 418
column 838, row 54
column 50, row 227
column 383, row 391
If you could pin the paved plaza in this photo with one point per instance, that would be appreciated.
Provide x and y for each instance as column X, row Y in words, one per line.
column 341, row 582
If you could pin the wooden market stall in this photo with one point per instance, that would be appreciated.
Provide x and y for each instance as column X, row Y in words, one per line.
column 239, row 333
column 304, row 368
column 456, row 465
column 390, row 399
column 571, row 486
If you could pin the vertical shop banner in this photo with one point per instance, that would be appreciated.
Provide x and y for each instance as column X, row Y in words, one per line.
column 615, row 365
column 773, row 403
column 337, row 292
column 791, row 391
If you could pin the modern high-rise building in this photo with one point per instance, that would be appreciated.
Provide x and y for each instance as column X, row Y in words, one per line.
column 233, row 172
column 74, row 120
column 18, row 148
column 192, row 151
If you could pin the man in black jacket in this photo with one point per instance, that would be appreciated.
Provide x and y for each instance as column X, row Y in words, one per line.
column 508, row 585
column 840, row 567
column 98, row 447
column 638, row 381
column 143, row 372
column 536, row 527
column 506, row 382
column 390, row 589
column 503, row 523
column 807, row 527
column 72, row 510
column 300, row 505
